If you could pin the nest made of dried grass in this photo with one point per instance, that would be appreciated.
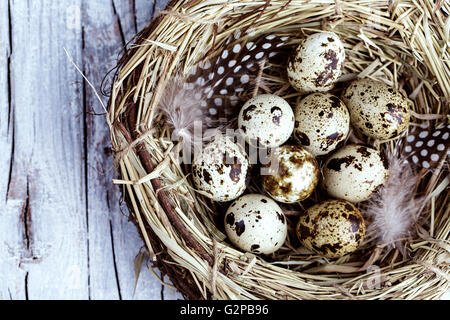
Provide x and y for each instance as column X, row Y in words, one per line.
column 402, row 42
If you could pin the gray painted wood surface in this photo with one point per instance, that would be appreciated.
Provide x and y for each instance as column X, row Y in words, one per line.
column 63, row 232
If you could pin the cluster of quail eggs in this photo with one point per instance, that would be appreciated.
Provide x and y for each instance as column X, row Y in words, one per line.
column 306, row 145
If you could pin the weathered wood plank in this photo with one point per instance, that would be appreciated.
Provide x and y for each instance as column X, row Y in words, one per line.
column 61, row 218
column 100, row 36
column 113, row 240
column 12, row 285
column 107, row 28
column 145, row 10
column 43, row 236
column 82, row 205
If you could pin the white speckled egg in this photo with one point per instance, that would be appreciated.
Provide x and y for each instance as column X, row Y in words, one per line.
column 317, row 63
column 376, row 109
column 291, row 175
column 256, row 223
column 322, row 121
column 332, row 228
column 354, row 173
column 266, row 119
column 221, row 168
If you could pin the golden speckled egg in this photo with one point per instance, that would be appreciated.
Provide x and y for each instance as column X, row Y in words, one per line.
column 317, row 63
column 376, row 109
column 322, row 121
column 291, row 175
column 256, row 223
column 221, row 168
column 266, row 119
column 332, row 228
column 354, row 173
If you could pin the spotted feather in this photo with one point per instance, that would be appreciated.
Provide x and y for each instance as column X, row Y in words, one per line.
column 224, row 78
column 426, row 145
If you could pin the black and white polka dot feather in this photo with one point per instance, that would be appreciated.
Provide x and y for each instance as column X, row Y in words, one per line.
column 427, row 145
column 220, row 81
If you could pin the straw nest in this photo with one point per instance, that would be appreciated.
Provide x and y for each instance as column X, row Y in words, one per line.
column 404, row 43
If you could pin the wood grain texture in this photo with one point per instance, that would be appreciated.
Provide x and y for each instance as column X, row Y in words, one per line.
column 107, row 28
column 102, row 37
column 44, row 238
column 12, row 285
column 62, row 233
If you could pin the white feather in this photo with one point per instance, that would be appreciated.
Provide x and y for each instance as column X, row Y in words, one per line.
column 184, row 107
column 181, row 107
column 394, row 207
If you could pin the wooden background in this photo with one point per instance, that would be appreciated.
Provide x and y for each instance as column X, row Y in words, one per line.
column 63, row 234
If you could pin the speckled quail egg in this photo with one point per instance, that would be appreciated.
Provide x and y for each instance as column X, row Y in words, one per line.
column 221, row 168
column 332, row 228
column 376, row 109
column 256, row 223
column 322, row 121
column 354, row 173
column 266, row 119
column 291, row 175
column 317, row 63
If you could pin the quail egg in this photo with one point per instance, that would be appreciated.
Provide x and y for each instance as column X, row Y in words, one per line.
column 256, row 223
column 291, row 175
column 322, row 121
column 266, row 119
column 221, row 169
column 376, row 109
column 332, row 228
column 354, row 173
column 317, row 63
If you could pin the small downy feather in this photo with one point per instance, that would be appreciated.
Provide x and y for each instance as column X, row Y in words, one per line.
column 209, row 97
column 180, row 103
column 393, row 209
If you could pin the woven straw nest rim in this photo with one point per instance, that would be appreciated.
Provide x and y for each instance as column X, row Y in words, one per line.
column 403, row 42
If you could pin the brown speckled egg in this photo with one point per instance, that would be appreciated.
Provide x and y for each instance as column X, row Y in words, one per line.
column 256, row 223
column 332, row 228
column 267, row 120
column 221, row 168
column 376, row 109
column 291, row 175
column 322, row 121
column 354, row 173
column 317, row 63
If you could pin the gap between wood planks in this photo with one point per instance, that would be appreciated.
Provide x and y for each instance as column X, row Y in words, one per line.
column 10, row 109
column 87, row 124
